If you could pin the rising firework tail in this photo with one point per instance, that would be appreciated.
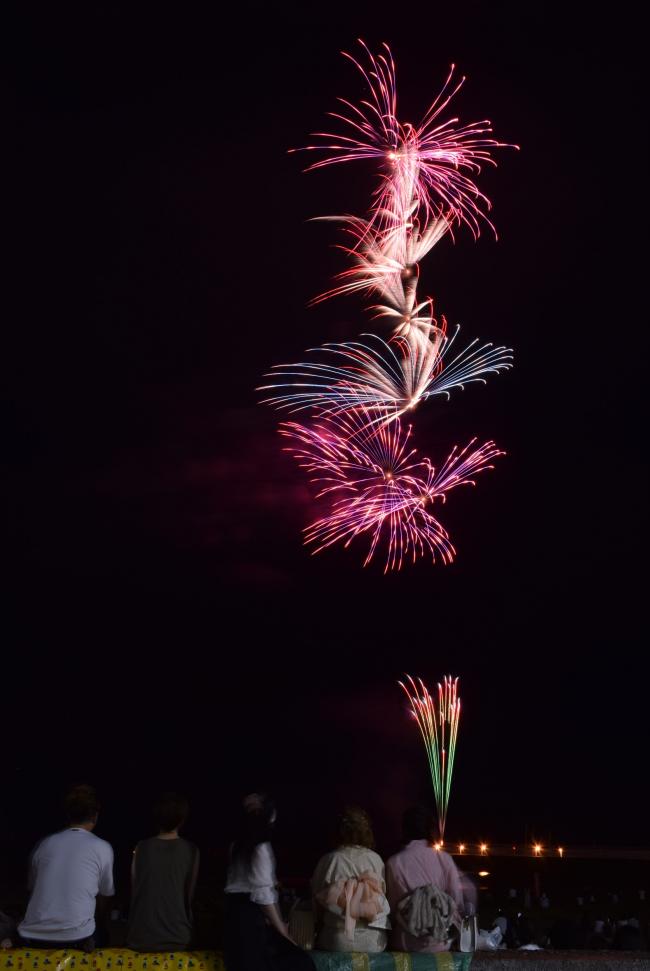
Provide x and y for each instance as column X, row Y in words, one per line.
column 437, row 720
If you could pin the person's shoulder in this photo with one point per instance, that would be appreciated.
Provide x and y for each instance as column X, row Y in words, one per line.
column 51, row 837
column 57, row 836
column 325, row 862
column 362, row 856
column 447, row 860
column 101, row 845
column 45, row 842
column 374, row 856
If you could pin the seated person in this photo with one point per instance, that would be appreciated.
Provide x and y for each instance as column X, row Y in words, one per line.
column 163, row 877
column 348, row 890
column 256, row 937
column 68, row 871
column 419, row 864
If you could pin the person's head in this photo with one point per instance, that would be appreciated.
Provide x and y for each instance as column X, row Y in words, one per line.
column 255, row 824
column 170, row 812
column 81, row 806
column 418, row 823
column 355, row 828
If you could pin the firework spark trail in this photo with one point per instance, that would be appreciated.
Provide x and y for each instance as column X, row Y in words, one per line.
column 356, row 451
column 432, row 165
column 391, row 377
column 385, row 263
column 376, row 485
column 438, row 725
column 379, row 487
column 424, row 191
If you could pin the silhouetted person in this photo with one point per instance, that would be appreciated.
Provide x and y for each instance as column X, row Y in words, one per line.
column 256, row 937
column 163, row 878
column 418, row 865
column 68, row 872
column 348, row 890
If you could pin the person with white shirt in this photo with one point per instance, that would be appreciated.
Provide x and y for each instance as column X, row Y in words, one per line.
column 68, row 872
column 256, row 937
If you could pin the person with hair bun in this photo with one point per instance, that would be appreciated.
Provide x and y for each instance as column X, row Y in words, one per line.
column 256, row 937
column 348, row 890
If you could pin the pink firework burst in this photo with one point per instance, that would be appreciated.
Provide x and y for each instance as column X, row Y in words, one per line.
column 378, row 487
column 430, row 167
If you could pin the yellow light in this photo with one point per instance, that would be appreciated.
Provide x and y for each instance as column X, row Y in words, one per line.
column 461, row 847
column 484, row 873
column 537, row 849
column 560, row 850
column 483, row 849
column 438, row 846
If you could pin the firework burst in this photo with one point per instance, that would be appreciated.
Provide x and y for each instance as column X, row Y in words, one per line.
column 390, row 378
column 378, row 487
column 438, row 723
column 431, row 166
column 385, row 263
column 355, row 449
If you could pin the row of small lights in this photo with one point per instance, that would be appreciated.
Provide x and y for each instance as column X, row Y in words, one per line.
column 537, row 848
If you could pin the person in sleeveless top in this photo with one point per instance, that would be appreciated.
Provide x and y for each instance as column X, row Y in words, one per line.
column 163, row 877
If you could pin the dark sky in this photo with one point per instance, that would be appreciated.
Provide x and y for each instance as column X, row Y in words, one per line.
column 163, row 625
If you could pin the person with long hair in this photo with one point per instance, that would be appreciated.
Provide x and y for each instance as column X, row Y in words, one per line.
column 256, row 936
column 348, row 890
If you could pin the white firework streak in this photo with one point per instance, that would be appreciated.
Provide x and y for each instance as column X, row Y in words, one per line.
column 379, row 376
column 386, row 263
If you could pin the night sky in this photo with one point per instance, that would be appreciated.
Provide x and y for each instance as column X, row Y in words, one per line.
column 163, row 625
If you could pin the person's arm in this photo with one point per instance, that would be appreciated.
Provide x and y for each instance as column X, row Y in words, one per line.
column 314, row 886
column 381, row 872
column 263, row 892
column 396, row 889
column 105, row 890
column 194, row 875
column 105, row 886
column 274, row 917
column 454, row 884
column 33, row 867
